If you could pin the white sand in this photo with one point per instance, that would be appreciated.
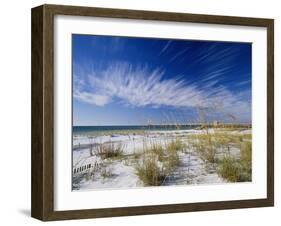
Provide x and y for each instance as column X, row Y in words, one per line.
column 121, row 172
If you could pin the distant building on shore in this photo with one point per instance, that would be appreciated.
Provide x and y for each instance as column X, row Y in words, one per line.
column 216, row 123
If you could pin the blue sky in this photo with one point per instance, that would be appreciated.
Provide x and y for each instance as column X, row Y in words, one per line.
column 136, row 81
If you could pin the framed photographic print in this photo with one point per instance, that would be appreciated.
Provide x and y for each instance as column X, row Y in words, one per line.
column 141, row 112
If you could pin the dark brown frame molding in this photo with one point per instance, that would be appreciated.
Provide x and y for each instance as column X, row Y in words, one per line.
column 42, row 198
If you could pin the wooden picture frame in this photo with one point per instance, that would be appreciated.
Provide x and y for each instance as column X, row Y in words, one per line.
column 42, row 203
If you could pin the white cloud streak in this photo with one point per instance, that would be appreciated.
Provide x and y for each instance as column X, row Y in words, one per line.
column 179, row 54
column 141, row 87
column 168, row 44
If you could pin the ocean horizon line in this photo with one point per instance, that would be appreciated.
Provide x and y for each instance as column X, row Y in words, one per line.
column 172, row 124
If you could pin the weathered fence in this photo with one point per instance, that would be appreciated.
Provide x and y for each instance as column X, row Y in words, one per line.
column 82, row 168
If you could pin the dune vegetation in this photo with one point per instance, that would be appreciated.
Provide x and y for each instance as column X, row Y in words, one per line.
column 203, row 155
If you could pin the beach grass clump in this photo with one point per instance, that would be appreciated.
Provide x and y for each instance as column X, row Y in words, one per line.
column 225, row 139
column 208, row 144
column 247, row 136
column 210, row 153
column 110, row 150
column 205, row 146
column 229, row 169
column 167, row 153
column 221, row 139
column 246, row 160
column 175, row 145
column 90, row 174
column 106, row 172
column 246, row 151
column 150, row 171
column 237, row 169
column 159, row 160
column 171, row 161
column 157, row 149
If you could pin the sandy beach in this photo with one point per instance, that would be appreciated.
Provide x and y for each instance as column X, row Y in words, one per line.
column 132, row 151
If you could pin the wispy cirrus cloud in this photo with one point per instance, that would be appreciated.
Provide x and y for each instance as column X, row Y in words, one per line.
column 179, row 54
column 91, row 98
column 144, row 87
column 165, row 47
column 243, row 82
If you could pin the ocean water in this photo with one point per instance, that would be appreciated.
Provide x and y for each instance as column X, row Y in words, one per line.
column 115, row 129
